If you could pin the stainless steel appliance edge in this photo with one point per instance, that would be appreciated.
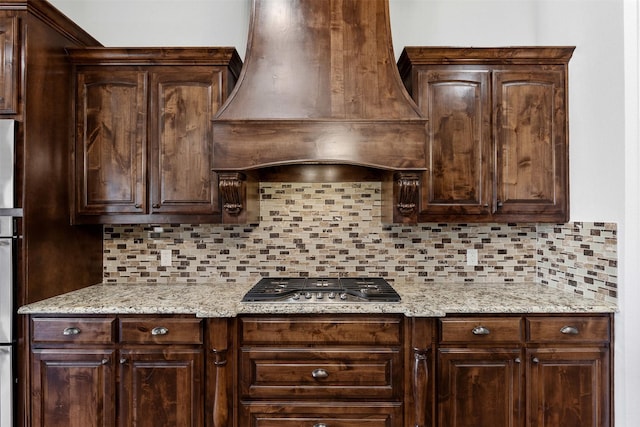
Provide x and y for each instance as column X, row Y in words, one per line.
column 7, row 281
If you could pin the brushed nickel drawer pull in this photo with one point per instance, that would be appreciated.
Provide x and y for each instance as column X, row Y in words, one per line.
column 71, row 331
column 569, row 330
column 159, row 330
column 319, row 373
column 480, row 330
column 320, row 425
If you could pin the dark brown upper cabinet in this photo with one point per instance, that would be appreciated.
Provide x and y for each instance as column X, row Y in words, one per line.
column 497, row 132
column 143, row 151
column 8, row 62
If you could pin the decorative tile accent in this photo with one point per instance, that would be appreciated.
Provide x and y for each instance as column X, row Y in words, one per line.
column 335, row 229
column 580, row 257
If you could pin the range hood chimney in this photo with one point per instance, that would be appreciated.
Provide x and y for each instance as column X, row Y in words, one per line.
column 319, row 97
column 319, row 86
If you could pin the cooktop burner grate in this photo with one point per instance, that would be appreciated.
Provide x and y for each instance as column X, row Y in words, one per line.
column 322, row 290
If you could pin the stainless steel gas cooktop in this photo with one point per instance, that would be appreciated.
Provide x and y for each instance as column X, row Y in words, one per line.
column 322, row 290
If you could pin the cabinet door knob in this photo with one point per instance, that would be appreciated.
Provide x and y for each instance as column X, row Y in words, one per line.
column 104, row 361
column 569, row 330
column 71, row 331
column 480, row 330
column 319, row 373
column 320, row 425
column 123, row 360
column 517, row 360
column 535, row 360
column 138, row 206
column 159, row 330
column 156, row 205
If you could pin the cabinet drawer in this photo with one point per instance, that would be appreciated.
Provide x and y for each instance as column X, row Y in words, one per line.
column 314, row 330
column 576, row 329
column 94, row 330
column 302, row 373
column 354, row 415
column 160, row 331
column 481, row 330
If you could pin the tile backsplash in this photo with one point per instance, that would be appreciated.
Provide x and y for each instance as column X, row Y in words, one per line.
column 335, row 229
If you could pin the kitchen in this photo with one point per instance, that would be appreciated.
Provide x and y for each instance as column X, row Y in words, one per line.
column 583, row 208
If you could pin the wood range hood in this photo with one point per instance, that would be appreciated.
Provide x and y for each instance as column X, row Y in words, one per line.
column 319, row 92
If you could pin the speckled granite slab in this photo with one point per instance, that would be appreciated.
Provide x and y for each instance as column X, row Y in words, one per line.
column 224, row 300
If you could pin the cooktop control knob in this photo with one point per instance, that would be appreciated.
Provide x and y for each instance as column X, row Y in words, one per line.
column 332, row 295
column 307, row 295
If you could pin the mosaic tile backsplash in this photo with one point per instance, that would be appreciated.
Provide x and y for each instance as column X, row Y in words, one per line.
column 335, row 229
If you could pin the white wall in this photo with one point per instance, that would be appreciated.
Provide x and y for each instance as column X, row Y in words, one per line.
column 162, row 22
column 627, row 342
column 600, row 147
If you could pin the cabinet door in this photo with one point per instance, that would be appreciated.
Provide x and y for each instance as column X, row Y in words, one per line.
column 8, row 63
column 110, row 141
column 568, row 387
column 183, row 103
column 161, row 387
column 531, row 142
column 479, row 388
column 73, row 388
column 456, row 103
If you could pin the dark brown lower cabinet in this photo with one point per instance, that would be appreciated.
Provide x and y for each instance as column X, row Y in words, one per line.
column 568, row 387
column 525, row 371
column 333, row 370
column 73, row 388
column 161, row 388
column 339, row 371
column 108, row 371
column 480, row 387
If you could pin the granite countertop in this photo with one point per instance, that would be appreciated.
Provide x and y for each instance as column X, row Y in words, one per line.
column 224, row 300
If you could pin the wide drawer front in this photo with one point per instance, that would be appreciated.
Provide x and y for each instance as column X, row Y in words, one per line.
column 587, row 329
column 160, row 330
column 77, row 330
column 481, row 330
column 349, row 330
column 326, row 416
column 338, row 374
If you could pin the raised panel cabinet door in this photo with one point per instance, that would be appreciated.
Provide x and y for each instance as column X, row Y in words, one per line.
column 531, row 143
column 480, row 388
column 73, row 388
column 111, row 141
column 456, row 104
column 183, row 103
column 161, row 387
column 8, row 63
column 568, row 387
